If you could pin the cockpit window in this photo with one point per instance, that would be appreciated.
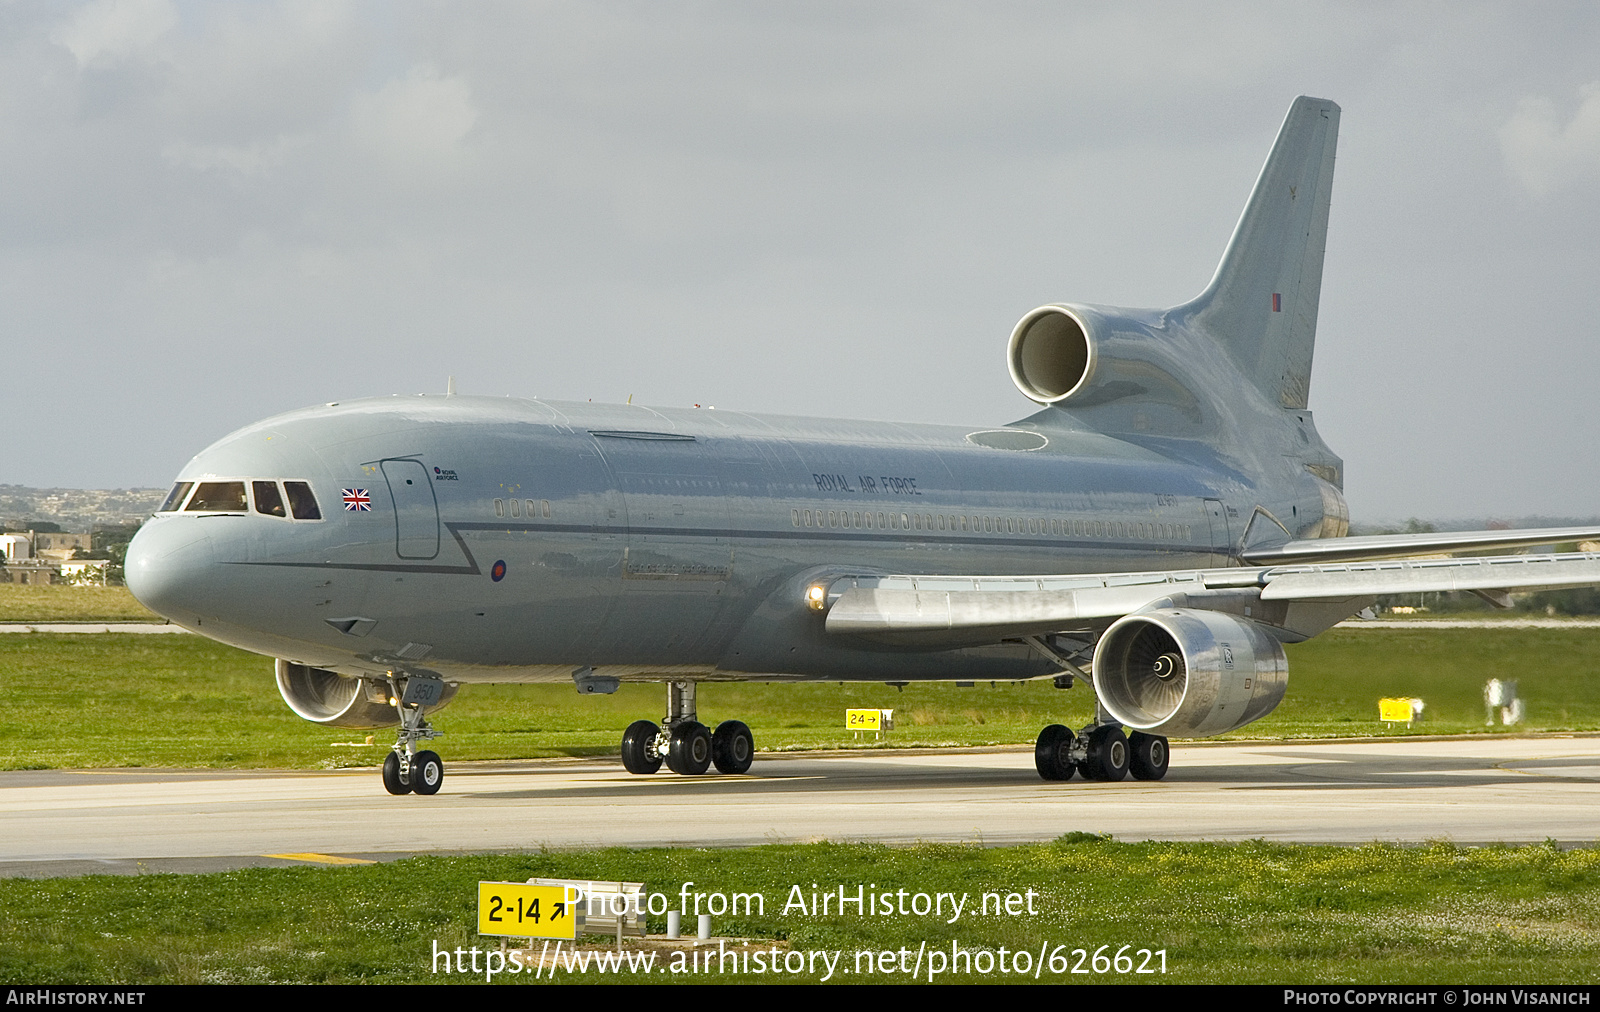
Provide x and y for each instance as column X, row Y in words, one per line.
column 176, row 496
column 268, row 500
column 301, row 501
column 217, row 497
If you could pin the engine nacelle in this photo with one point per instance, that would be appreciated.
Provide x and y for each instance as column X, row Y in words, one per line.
column 1052, row 353
column 327, row 697
column 1188, row 673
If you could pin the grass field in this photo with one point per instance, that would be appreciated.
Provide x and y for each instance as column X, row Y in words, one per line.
column 128, row 700
column 63, row 603
column 1220, row 913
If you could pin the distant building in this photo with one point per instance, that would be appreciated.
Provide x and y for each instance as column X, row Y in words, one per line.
column 85, row 572
column 16, row 547
column 32, row 571
column 59, row 547
column 41, row 557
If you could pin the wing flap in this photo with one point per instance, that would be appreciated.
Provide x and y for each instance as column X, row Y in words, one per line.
column 1003, row 612
column 1394, row 546
column 1410, row 576
column 946, row 610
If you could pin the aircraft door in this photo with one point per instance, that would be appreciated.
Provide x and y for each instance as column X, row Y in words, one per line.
column 1221, row 540
column 416, row 511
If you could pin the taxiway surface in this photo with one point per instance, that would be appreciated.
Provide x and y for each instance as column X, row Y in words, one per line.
column 1477, row 790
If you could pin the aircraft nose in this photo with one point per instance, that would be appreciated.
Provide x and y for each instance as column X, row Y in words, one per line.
column 170, row 567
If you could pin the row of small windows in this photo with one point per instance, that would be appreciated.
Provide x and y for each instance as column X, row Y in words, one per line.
column 868, row 520
column 531, row 508
column 287, row 499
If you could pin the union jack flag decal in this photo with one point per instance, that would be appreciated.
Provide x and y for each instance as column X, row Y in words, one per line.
column 357, row 499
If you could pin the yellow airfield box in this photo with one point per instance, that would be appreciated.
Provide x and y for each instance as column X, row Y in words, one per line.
column 1396, row 709
column 863, row 720
column 527, row 911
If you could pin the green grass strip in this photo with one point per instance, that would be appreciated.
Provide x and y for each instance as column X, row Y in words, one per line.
column 1222, row 913
column 130, row 700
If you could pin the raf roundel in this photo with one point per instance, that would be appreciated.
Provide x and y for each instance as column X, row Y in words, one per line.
column 498, row 571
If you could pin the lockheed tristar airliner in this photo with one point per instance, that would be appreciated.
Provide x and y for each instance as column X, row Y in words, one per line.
column 1159, row 528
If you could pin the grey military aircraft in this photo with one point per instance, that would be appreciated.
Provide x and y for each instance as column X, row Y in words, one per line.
column 1164, row 523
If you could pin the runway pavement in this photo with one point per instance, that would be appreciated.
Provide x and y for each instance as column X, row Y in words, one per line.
column 1476, row 790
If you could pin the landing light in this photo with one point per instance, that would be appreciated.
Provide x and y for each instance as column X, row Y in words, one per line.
column 817, row 596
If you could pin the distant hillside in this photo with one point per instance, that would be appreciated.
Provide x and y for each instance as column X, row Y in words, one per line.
column 77, row 509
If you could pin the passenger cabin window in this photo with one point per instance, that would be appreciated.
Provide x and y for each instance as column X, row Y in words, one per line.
column 268, row 500
column 302, row 504
column 218, row 497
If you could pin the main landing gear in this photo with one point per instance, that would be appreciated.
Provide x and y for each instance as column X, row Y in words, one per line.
column 1099, row 752
column 686, row 745
column 407, row 770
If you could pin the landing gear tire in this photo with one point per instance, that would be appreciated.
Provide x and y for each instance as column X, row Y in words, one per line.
column 639, row 753
column 690, row 751
column 1147, row 756
column 1051, row 753
column 427, row 773
column 391, row 775
column 732, row 747
column 1107, row 757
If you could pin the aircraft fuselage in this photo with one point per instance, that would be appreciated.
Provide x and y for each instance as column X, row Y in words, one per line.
column 497, row 539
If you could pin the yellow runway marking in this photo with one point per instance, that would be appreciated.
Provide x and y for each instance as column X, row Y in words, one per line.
column 320, row 858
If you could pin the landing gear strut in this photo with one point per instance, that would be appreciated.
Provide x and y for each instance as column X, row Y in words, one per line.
column 405, row 769
column 687, row 746
column 1100, row 751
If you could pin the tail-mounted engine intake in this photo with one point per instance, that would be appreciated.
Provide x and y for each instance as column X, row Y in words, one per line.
column 1081, row 356
column 1052, row 353
column 1187, row 673
column 326, row 697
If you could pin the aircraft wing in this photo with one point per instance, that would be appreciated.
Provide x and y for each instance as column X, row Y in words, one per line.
column 1296, row 602
column 1393, row 546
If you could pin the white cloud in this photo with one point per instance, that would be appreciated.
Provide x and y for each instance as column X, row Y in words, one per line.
column 1545, row 154
column 416, row 122
column 112, row 30
column 254, row 159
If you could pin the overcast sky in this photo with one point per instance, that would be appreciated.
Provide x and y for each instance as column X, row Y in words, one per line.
column 211, row 213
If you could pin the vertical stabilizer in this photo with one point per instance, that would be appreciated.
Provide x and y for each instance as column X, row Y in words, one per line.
column 1262, row 303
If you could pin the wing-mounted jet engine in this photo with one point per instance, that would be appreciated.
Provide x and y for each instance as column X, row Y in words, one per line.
column 1188, row 673
column 1183, row 672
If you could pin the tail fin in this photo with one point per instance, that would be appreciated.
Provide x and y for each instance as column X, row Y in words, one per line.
column 1262, row 303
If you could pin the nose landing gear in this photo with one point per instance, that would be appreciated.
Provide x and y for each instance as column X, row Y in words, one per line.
column 406, row 770
column 687, row 746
